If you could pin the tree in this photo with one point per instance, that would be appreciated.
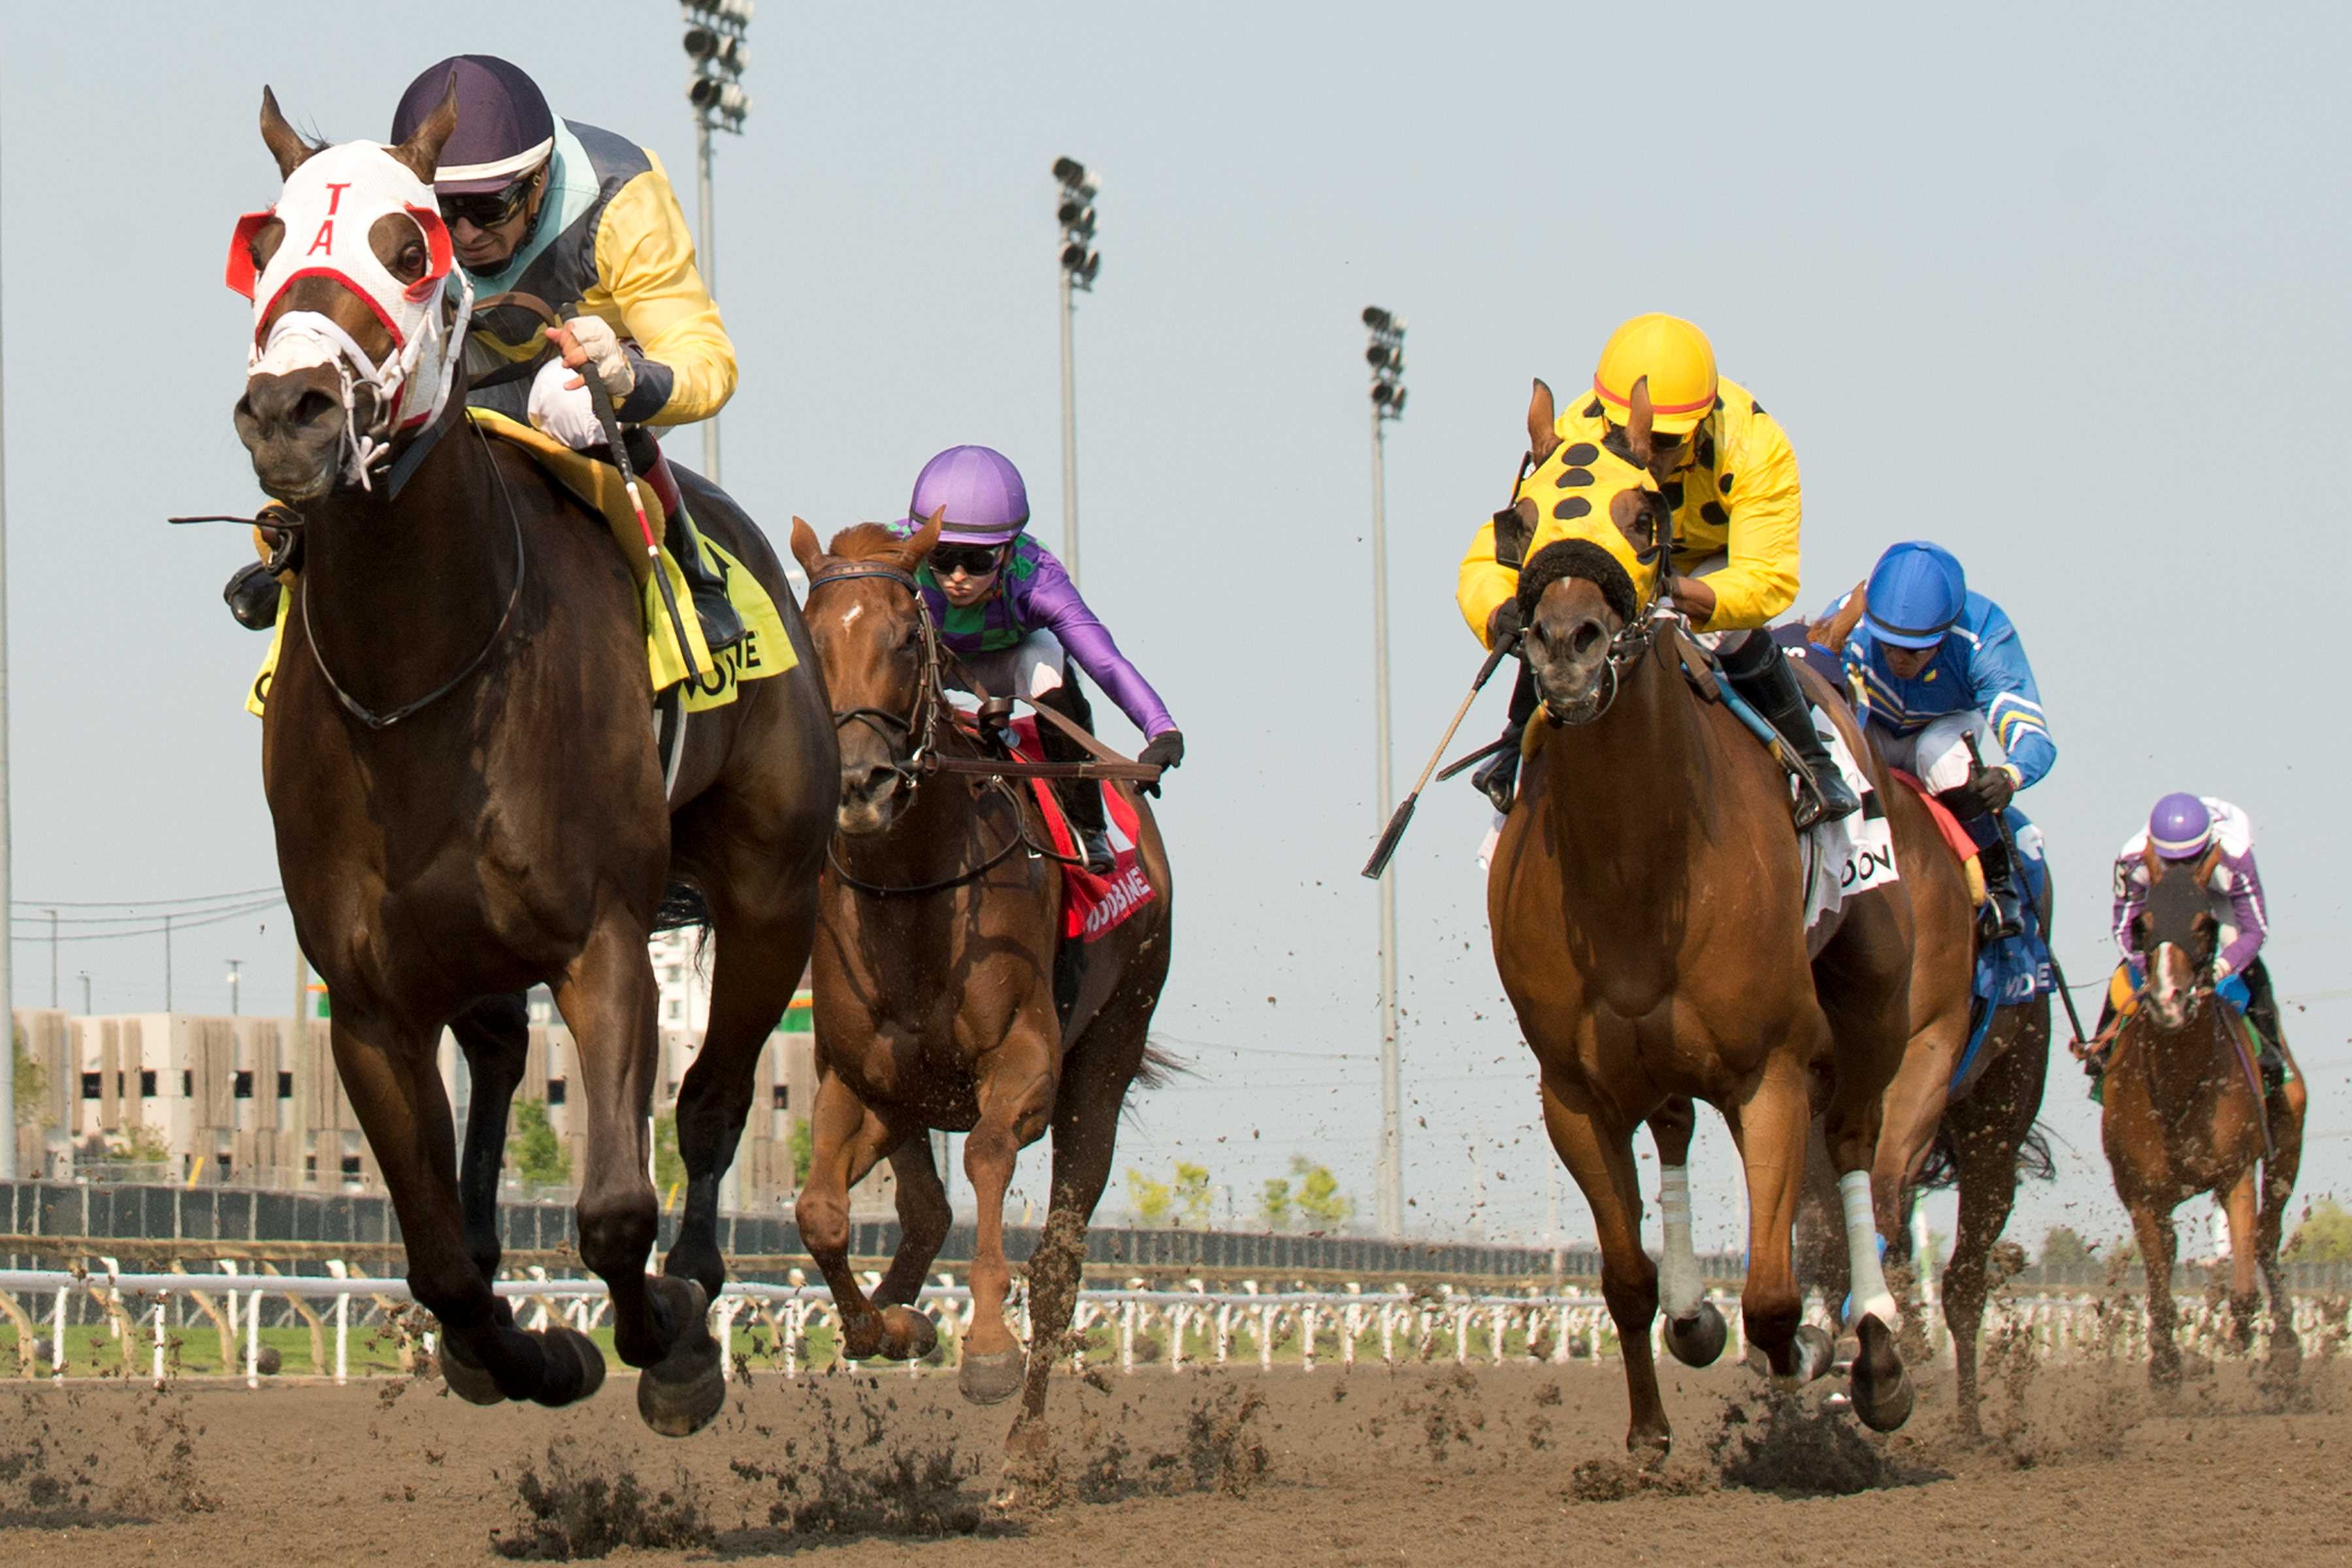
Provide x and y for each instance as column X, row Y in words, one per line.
column 2324, row 1237
column 1275, row 1206
column 669, row 1165
column 2062, row 1245
column 1193, row 1195
column 1149, row 1199
column 802, row 1140
column 32, row 1085
column 534, row 1150
column 1321, row 1202
column 139, row 1145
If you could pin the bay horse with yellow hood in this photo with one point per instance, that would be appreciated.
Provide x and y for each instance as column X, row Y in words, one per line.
column 1647, row 901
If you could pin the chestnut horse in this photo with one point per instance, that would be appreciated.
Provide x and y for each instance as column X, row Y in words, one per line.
column 2181, row 1116
column 1926, row 1138
column 946, row 995
column 1646, row 902
column 459, row 759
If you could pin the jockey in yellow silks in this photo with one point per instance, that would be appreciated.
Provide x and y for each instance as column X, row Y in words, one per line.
column 586, row 221
column 1737, row 506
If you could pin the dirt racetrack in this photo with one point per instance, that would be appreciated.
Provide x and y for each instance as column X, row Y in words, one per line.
column 1432, row 1463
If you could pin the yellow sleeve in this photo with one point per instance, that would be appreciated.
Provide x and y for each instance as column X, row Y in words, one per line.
column 648, row 284
column 1761, row 580
column 1483, row 582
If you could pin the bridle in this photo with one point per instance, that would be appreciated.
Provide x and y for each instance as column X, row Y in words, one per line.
column 1634, row 641
column 920, row 726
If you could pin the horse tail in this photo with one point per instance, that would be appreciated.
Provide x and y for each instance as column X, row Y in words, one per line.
column 1159, row 1067
column 1942, row 1167
column 682, row 908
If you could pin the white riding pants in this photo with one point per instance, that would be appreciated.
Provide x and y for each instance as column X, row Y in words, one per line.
column 1937, row 756
column 1030, row 667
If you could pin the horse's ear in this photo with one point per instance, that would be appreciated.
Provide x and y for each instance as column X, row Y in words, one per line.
column 1542, row 436
column 1639, row 436
column 2207, row 865
column 422, row 152
column 911, row 553
column 805, row 549
column 285, row 142
column 1832, row 630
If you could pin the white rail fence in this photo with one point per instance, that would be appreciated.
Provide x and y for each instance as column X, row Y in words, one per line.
column 1406, row 1328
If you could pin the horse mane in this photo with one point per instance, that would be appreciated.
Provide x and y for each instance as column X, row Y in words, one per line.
column 1565, row 558
column 865, row 541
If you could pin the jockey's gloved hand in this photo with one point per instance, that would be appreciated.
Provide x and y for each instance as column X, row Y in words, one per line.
column 1507, row 621
column 1994, row 788
column 1165, row 750
column 591, row 340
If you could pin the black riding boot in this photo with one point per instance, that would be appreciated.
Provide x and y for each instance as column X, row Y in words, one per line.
column 721, row 627
column 1082, row 799
column 1762, row 674
column 2095, row 1066
column 2006, row 903
column 1497, row 778
column 252, row 595
column 2262, row 1012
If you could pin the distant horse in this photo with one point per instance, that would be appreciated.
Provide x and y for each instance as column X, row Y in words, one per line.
column 459, row 754
column 1927, row 1137
column 946, row 995
column 2181, row 1117
column 1646, row 902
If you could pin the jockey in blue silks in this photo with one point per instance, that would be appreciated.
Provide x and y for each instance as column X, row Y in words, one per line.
column 1935, row 664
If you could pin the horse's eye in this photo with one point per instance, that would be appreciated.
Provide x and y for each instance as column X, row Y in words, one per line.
column 412, row 261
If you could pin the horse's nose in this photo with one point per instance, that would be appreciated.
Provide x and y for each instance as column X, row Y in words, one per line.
column 278, row 404
column 867, row 785
column 1576, row 640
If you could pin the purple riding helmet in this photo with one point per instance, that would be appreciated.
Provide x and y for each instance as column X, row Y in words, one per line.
column 2180, row 827
column 985, row 500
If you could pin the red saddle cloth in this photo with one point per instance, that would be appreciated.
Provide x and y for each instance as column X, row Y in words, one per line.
column 1946, row 823
column 1091, row 905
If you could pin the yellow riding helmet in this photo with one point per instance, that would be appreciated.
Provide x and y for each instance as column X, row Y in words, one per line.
column 1674, row 356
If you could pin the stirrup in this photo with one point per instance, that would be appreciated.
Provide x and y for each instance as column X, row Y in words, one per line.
column 1497, row 778
column 1094, row 843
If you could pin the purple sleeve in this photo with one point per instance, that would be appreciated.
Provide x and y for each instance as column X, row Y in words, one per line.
column 2247, row 913
column 2129, row 897
column 1051, row 600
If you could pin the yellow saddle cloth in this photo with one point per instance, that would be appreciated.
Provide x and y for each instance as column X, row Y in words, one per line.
column 766, row 650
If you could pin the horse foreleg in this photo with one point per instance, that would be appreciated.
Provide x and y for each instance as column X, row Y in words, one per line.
column 1016, row 1099
column 2153, row 1225
column 659, row 1325
column 1987, row 1135
column 2241, row 1201
column 924, row 1219
column 755, row 970
column 495, row 1034
column 2279, row 1172
column 1770, row 1126
column 389, row 1076
column 1600, row 1157
column 846, row 1141
column 1695, row 1331
column 1881, row 1391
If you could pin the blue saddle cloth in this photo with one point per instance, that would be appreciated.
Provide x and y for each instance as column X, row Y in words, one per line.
column 2015, row 969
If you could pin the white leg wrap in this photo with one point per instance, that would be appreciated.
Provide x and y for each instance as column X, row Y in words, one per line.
column 1678, row 1283
column 1870, row 1294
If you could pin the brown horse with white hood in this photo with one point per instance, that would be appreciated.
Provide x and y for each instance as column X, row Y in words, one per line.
column 1647, row 903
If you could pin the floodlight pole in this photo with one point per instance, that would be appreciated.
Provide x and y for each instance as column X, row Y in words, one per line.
column 707, row 252
column 1392, row 1162
column 1069, row 429
column 7, row 889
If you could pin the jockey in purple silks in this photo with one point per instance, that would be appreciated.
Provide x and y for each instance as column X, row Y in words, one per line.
column 1014, row 621
column 2188, row 828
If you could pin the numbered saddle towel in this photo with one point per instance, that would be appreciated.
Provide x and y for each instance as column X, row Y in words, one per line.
column 766, row 649
column 1092, row 906
column 1849, row 855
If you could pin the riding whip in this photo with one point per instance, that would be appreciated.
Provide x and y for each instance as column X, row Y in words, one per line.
column 600, row 398
column 2016, row 868
column 1394, row 834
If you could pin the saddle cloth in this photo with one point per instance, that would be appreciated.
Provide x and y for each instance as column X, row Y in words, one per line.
column 1092, row 906
column 766, row 649
column 1848, row 857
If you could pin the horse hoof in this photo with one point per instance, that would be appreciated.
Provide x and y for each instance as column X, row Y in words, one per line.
column 991, row 1378
column 469, row 1382
column 678, row 1395
column 906, row 1334
column 575, row 1368
column 1884, row 1404
column 1812, row 1351
column 1698, row 1340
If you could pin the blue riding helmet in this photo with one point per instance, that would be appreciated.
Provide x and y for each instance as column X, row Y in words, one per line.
column 1917, row 591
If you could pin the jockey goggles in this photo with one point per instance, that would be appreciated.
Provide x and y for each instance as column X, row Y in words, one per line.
column 487, row 209
column 971, row 560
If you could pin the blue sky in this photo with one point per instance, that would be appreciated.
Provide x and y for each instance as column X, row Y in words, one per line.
column 2059, row 288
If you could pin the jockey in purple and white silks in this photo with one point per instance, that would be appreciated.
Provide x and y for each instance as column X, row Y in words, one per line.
column 2188, row 828
column 1016, row 623
column 1936, row 666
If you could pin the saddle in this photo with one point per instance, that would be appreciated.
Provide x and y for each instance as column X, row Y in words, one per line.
column 1092, row 906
